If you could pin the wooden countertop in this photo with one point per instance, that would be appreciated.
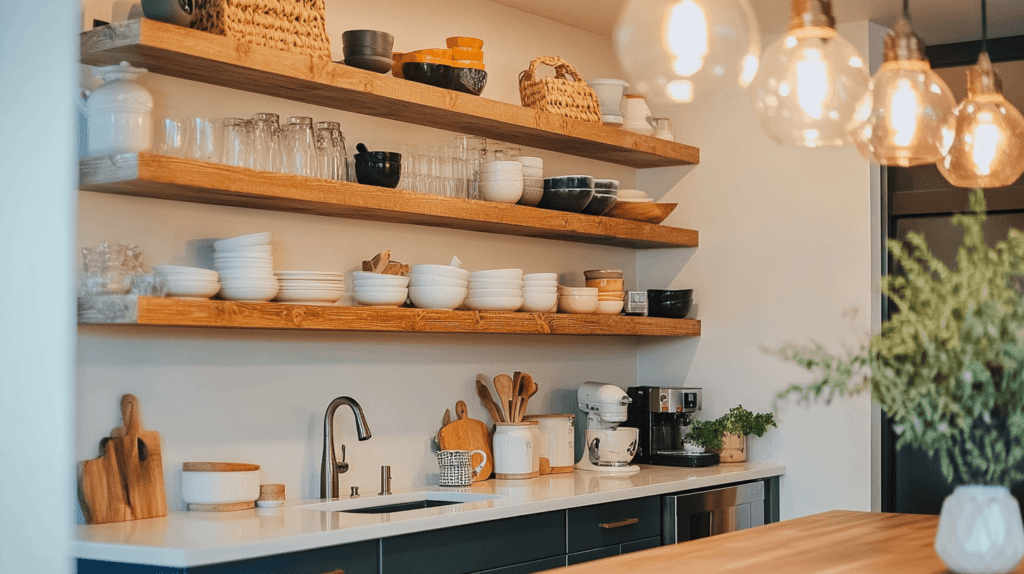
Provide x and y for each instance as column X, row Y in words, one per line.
column 838, row 542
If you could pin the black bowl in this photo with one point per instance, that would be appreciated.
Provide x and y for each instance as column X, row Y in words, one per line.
column 380, row 173
column 569, row 182
column 378, row 64
column 671, row 304
column 467, row 80
column 351, row 51
column 571, row 200
column 600, row 204
column 437, row 75
column 379, row 156
column 607, row 186
column 375, row 38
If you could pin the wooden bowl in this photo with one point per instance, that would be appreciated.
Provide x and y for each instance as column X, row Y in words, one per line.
column 646, row 212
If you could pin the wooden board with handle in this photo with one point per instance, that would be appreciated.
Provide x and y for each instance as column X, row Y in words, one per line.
column 127, row 481
column 468, row 434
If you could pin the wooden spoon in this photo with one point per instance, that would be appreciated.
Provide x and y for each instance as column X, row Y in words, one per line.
column 517, row 389
column 485, row 397
column 529, row 389
column 503, row 385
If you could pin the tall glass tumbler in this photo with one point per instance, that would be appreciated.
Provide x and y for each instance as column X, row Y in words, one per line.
column 266, row 139
column 331, row 155
column 300, row 146
column 236, row 149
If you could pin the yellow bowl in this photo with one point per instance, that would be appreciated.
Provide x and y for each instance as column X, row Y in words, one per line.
column 467, row 64
column 473, row 54
column 464, row 42
column 440, row 53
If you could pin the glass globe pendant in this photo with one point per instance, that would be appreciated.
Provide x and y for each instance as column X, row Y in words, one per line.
column 811, row 81
column 988, row 148
column 911, row 120
column 673, row 51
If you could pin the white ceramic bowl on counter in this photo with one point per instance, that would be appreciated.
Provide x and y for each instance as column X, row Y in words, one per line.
column 439, row 271
column 419, row 280
column 501, row 191
column 219, row 483
column 578, row 304
column 249, row 291
column 609, row 307
column 186, row 289
column 437, row 297
column 378, row 296
column 537, row 302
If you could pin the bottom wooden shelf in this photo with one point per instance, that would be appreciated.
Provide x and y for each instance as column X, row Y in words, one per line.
column 171, row 312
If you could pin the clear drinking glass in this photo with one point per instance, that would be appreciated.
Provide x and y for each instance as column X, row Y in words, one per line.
column 236, row 148
column 202, row 142
column 266, row 137
column 330, row 152
column 300, row 146
column 171, row 137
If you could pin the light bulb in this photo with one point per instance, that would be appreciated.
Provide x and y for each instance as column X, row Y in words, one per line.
column 988, row 147
column 911, row 121
column 811, row 81
column 674, row 51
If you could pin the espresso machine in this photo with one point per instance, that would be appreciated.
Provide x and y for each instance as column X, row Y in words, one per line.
column 663, row 415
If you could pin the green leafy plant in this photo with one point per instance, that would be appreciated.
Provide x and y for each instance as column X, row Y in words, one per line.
column 740, row 421
column 707, row 434
column 948, row 366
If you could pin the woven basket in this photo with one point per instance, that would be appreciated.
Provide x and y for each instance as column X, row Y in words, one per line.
column 567, row 94
column 295, row 26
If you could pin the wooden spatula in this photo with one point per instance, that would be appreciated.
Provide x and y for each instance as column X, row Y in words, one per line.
column 485, row 397
column 529, row 389
column 503, row 385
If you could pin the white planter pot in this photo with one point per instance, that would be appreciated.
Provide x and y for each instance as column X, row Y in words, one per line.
column 980, row 531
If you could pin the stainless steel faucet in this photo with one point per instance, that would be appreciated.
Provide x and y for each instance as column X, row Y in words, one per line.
column 330, row 467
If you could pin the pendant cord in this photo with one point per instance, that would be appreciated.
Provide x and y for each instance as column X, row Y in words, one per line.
column 906, row 9
column 984, row 26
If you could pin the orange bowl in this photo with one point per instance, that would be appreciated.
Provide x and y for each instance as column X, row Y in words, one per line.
column 646, row 212
column 440, row 53
column 468, row 64
column 464, row 42
column 473, row 54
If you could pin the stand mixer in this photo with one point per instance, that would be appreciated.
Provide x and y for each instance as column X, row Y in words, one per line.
column 608, row 447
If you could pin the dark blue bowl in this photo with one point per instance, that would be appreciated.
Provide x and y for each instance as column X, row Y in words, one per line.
column 379, row 173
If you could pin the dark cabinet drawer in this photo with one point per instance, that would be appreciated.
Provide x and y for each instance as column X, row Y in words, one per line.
column 529, row 567
column 476, row 547
column 613, row 550
column 614, row 523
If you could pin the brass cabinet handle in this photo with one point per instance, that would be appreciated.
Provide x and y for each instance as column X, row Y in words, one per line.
column 621, row 523
column 335, row 572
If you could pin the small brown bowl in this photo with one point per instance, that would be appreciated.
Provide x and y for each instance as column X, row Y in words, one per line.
column 603, row 274
column 638, row 211
column 606, row 285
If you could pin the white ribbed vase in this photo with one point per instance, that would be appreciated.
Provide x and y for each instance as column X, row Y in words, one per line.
column 980, row 531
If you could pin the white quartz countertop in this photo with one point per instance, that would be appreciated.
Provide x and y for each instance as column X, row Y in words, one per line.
column 188, row 539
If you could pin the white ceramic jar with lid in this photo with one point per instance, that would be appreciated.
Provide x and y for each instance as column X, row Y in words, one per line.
column 559, row 431
column 538, row 439
column 513, row 450
column 118, row 113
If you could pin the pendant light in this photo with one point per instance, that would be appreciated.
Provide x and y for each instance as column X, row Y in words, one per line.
column 673, row 51
column 988, row 148
column 811, row 81
column 911, row 121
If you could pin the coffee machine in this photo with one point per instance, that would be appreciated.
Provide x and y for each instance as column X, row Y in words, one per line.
column 663, row 415
column 609, row 447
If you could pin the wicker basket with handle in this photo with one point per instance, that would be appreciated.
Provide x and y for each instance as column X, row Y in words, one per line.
column 296, row 26
column 567, row 94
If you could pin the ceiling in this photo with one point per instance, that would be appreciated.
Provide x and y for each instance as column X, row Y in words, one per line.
column 935, row 21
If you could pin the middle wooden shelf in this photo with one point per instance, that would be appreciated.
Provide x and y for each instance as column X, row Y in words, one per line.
column 172, row 178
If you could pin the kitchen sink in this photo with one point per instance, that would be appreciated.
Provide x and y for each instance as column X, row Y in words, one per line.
column 399, row 502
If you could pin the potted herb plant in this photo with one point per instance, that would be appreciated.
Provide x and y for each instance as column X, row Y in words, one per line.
column 737, row 424
column 948, row 368
column 705, row 435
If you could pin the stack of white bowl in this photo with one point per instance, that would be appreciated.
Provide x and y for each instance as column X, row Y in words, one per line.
column 582, row 300
column 633, row 196
column 501, row 181
column 189, row 282
column 540, row 292
column 378, row 289
column 310, row 287
column 438, row 286
column 533, row 181
column 495, row 290
column 246, row 267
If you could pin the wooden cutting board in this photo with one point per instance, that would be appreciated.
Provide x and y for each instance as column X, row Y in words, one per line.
column 468, row 434
column 127, row 481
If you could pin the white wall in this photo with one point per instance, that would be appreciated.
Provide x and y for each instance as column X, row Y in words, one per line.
column 259, row 396
column 37, row 331
column 785, row 252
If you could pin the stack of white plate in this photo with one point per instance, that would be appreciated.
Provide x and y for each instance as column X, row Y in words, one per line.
column 495, row 290
column 633, row 196
column 540, row 292
column 437, row 286
column 246, row 267
column 189, row 282
column 310, row 287
column 377, row 289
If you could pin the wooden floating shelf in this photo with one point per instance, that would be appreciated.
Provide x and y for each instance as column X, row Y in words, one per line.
column 162, row 177
column 170, row 312
column 202, row 57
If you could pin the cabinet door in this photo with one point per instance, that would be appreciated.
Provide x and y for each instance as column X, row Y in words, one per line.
column 603, row 525
column 529, row 567
column 476, row 547
column 83, row 566
column 613, row 550
column 358, row 558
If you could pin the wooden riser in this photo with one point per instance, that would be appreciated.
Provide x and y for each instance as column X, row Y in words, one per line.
column 162, row 177
column 202, row 57
column 171, row 312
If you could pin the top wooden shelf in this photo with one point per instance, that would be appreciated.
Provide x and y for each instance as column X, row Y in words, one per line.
column 202, row 57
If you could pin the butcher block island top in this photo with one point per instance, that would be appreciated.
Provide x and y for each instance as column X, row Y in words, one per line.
column 837, row 542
